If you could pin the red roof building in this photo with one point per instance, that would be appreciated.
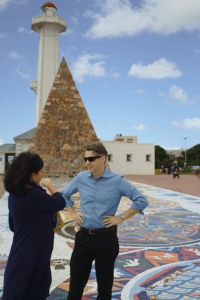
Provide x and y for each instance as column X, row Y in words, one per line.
column 48, row 4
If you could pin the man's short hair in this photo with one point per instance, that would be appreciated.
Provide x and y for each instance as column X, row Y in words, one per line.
column 98, row 148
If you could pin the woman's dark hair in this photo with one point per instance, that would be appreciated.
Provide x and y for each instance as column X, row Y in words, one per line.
column 19, row 173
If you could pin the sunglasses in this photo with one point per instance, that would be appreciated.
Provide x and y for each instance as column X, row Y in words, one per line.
column 91, row 158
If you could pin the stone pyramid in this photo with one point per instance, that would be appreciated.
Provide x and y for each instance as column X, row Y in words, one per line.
column 64, row 128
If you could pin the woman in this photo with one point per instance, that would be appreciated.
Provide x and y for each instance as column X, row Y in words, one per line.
column 27, row 275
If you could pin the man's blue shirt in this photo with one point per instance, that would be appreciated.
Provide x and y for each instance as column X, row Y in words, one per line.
column 100, row 197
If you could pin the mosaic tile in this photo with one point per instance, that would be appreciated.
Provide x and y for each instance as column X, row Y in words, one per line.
column 159, row 254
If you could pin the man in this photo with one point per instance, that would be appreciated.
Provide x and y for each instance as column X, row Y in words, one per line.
column 100, row 193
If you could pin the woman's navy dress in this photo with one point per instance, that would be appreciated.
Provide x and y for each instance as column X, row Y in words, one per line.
column 28, row 275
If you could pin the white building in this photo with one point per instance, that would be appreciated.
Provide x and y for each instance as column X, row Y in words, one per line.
column 128, row 157
column 9, row 151
column 7, row 155
column 174, row 153
column 48, row 25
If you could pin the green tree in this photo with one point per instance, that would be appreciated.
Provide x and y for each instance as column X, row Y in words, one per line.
column 181, row 161
column 193, row 155
column 167, row 162
column 161, row 156
column 157, row 163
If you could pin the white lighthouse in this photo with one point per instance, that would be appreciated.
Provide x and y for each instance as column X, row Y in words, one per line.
column 48, row 25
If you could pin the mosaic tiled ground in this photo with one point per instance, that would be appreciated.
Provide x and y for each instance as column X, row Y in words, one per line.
column 159, row 252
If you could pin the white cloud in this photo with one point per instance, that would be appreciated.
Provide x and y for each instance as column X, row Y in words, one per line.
column 74, row 20
column 84, row 66
column 141, row 91
column 71, row 48
column 5, row 3
column 162, row 94
column 160, row 69
column 188, row 123
column 24, row 30
column 196, row 50
column 170, row 148
column 67, row 32
column 2, row 35
column 1, row 142
column 115, row 75
column 178, row 94
column 166, row 101
column 121, row 18
column 139, row 127
column 22, row 71
column 14, row 55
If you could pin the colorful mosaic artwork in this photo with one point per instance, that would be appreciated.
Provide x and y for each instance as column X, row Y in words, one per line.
column 159, row 254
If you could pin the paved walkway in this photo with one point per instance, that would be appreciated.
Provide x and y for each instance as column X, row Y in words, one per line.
column 159, row 251
column 188, row 184
column 2, row 191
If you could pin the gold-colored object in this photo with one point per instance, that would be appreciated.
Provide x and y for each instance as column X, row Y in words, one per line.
column 59, row 220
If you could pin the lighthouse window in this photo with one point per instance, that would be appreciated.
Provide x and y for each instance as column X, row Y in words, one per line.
column 43, row 10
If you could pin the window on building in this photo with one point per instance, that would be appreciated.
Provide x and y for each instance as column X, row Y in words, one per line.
column 109, row 157
column 148, row 157
column 43, row 10
column 128, row 157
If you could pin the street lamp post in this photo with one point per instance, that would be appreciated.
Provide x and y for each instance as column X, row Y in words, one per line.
column 185, row 151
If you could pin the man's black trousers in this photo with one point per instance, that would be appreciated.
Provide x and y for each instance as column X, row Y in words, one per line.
column 104, row 248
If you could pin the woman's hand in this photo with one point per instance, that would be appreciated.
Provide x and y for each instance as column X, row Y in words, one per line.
column 110, row 220
column 45, row 182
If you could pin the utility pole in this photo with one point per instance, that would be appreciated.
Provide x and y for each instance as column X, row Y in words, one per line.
column 185, row 151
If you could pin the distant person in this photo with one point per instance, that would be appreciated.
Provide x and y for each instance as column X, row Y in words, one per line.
column 184, row 165
column 27, row 274
column 175, row 163
column 176, row 172
column 100, row 194
column 163, row 169
column 169, row 169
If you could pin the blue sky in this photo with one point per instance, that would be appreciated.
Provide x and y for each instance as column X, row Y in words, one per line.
column 136, row 65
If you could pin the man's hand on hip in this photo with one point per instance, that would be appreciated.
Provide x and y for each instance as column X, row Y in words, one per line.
column 110, row 220
column 77, row 218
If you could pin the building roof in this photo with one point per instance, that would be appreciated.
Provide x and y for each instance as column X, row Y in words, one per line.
column 48, row 4
column 7, row 147
column 28, row 135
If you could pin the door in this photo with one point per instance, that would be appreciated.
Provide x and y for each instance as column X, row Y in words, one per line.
column 9, row 157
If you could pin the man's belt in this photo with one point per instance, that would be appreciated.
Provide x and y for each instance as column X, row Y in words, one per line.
column 100, row 230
